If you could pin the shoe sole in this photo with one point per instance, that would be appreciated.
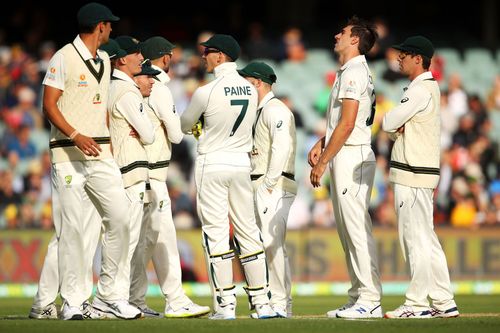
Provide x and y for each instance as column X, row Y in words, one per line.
column 187, row 315
column 107, row 313
column 36, row 316
column 75, row 317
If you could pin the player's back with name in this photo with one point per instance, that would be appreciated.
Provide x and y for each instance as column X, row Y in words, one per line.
column 229, row 115
column 238, row 91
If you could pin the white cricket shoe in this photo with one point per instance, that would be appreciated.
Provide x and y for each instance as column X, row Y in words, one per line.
column 360, row 311
column 333, row 313
column 265, row 311
column 408, row 312
column 148, row 312
column 71, row 312
column 120, row 309
column 47, row 312
column 226, row 312
column 89, row 312
column 451, row 312
column 279, row 310
column 188, row 311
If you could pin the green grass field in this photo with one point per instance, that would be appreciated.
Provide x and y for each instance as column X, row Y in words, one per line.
column 478, row 314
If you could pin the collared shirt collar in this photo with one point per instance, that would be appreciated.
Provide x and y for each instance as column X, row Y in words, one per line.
column 123, row 76
column 163, row 76
column 266, row 99
column 225, row 68
column 84, row 51
column 424, row 76
column 357, row 59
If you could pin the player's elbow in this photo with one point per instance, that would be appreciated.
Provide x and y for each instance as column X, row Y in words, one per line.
column 176, row 138
column 148, row 139
column 386, row 127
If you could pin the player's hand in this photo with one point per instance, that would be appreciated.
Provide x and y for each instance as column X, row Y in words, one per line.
column 316, row 173
column 314, row 154
column 133, row 133
column 87, row 145
column 196, row 130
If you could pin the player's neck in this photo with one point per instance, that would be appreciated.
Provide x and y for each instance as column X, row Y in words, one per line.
column 346, row 56
column 91, row 41
column 262, row 92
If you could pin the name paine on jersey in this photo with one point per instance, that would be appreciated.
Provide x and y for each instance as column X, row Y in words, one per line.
column 238, row 91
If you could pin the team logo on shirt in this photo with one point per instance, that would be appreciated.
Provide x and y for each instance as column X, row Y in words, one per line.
column 68, row 180
column 278, row 125
column 97, row 99
column 404, row 100
column 82, row 82
column 51, row 74
column 351, row 87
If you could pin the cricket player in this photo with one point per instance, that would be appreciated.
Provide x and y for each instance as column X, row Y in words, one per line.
column 158, row 235
column 273, row 168
column 74, row 100
column 346, row 150
column 228, row 106
column 48, row 286
column 126, row 114
column 414, row 171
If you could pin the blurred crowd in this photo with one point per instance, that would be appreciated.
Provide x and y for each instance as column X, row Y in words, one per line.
column 468, row 195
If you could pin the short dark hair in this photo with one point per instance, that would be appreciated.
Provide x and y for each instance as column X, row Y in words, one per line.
column 87, row 29
column 365, row 31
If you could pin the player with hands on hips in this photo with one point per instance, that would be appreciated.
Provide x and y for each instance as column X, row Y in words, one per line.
column 346, row 151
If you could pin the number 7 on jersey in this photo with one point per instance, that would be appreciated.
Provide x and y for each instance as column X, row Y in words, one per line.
column 244, row 107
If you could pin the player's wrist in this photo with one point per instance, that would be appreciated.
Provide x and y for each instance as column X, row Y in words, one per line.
column 73, row 135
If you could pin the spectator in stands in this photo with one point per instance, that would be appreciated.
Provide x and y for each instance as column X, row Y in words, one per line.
column 449, row 122
column 321, row 101
column 292, row 46
column 465, row 134
column 257, row 45
column 21, row 143
column 478, row 109
column 457, row 98
column 493, row 102
column 384, row 42
column 7, row 194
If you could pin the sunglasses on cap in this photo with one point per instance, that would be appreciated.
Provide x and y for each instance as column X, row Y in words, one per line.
column 208, row 50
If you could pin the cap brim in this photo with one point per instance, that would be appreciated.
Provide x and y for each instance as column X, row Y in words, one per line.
column 399, row 47
column 120, row 54
column 113, row 18
column 242, row 73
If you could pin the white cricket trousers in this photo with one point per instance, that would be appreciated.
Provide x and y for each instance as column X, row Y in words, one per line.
column 224, row 190
column 352, row 171
column 135, row 195
column 158, row 241
column 429, row 276
column 102, row 181
column 271, row 211
column 48, row 284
